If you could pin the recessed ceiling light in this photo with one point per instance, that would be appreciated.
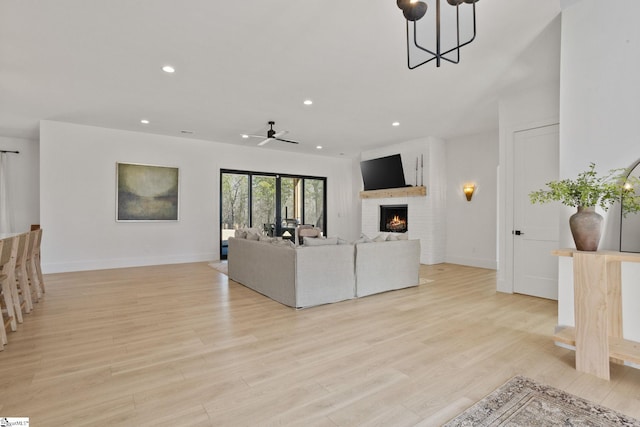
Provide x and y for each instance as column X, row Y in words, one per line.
column 318, row 147
column 395, row 124
column 308, row 102
column 144, row 121
column 245, row 136
column 168, row 69
column 188, row 132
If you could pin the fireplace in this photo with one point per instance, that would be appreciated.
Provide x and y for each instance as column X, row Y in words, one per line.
column 393, row 218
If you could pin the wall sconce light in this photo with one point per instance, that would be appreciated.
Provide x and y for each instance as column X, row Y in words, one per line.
column 468, row 190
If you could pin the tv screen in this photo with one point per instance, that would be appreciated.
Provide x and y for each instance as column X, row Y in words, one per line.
column 384, row 172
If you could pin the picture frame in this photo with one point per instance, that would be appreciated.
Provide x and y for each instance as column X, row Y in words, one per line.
column 147, row 193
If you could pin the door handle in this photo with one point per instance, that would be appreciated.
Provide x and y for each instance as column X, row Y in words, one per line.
column 518, row 233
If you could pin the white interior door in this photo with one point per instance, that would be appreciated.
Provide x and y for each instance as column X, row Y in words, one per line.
column 536, row 227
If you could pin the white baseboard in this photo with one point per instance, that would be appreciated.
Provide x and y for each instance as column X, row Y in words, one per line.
column 473, row 262
column 105, row 264
column 504, row 286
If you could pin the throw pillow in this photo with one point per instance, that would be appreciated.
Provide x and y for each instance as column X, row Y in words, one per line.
column 266, row 239
column 321, row 242
column 403, row 236
column 379, row 238
column 392, row 238
column 363, row 239
column 253, row 236
column 284, row 242
column 240, row 234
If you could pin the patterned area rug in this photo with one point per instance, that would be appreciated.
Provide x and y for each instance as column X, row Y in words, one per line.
column 523, row 402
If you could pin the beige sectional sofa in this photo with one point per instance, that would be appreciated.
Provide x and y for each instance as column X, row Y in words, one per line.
column 298, row 277
column 306, row 276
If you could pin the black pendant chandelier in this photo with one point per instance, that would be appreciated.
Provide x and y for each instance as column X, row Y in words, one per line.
column 442, row 32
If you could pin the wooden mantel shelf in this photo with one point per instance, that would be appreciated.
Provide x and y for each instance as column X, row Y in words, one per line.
column 394, row 192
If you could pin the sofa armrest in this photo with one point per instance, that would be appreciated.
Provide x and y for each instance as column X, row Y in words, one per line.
column 324, row 274
column 264, row 267
column 385, row 266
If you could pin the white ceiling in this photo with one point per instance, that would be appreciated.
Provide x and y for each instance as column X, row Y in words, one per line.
column 242, row 63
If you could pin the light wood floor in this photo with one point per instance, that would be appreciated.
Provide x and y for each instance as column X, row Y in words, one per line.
column 181, row 345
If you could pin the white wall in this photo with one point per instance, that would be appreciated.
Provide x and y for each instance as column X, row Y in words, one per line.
column 472, row 226
column 599, row 111
column 23, row 181
column 77, row 195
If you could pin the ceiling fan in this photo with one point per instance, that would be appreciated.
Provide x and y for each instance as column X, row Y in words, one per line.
column 272, row 135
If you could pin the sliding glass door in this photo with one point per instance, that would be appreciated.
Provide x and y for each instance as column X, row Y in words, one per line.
column 234, row 206
column 314, row 201
column 263, row 203
column 274, row 203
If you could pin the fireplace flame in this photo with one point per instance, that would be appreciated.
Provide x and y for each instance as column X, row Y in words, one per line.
column 396, row 220
column 397, row 224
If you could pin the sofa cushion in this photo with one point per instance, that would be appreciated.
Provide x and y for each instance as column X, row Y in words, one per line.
column 397, row 236
column 242, row 233
column 363, row 239
column 284, row 242
column 320, row 242
column 379, row 238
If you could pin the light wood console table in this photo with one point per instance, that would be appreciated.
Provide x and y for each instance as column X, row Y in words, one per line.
column 597, row 335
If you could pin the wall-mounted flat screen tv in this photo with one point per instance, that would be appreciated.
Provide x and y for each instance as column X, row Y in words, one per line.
column 384, row 172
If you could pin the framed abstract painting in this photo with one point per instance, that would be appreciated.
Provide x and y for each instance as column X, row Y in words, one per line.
column 146, row 193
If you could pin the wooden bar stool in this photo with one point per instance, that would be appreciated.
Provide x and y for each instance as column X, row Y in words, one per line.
column 10, row 299
column 3, row 332
column 21, row 277
column 32, row 269
column 36, row 258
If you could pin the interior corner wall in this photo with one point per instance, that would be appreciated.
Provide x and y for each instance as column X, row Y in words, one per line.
column 78, row 195
column 472, row 225
column 23, row 183
column 599, row 110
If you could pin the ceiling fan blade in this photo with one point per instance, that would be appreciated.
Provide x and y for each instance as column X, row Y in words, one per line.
column 286, row 140
column 271, row 136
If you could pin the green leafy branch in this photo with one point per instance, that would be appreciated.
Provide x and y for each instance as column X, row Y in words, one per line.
column 589, row 189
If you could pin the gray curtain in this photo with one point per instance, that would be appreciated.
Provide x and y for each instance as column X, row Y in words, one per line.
column 6, row 213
